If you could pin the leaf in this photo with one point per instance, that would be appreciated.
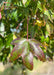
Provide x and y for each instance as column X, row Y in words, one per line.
column 14, row 36
column 42, row 38
column 9, row 38
column 16, row 52
column 26, row 49
column 39, row 5
column 27, row 3
column 28, row 61
column 39, row 23
column 2, row 41
column 46, row 12
column 18, row 40
column 14, row 15
column 36, row 50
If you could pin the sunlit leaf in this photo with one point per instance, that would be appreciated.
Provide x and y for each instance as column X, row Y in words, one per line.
column 48, row 28
column 39, row 23
column 39, row 5
column 46, row 12
column 14, row 36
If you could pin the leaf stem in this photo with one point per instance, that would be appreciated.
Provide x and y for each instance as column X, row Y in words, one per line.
column 27, row 27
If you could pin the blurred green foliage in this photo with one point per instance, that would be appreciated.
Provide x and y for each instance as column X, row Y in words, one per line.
column 41, row 24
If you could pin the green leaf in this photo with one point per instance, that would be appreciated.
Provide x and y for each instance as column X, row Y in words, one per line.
column 9, row 38
column 42, row 38
column 27, row 3
column 2, row 41
column 46, row 12
column 14, row 15
column 39, row 6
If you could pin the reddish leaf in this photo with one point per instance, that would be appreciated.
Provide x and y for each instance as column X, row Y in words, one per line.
column 28, row 61
column 36, row 50
column 26, row 49
column 35, row 41
column 19, row 49
column 16, row 52
column 18, row 41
